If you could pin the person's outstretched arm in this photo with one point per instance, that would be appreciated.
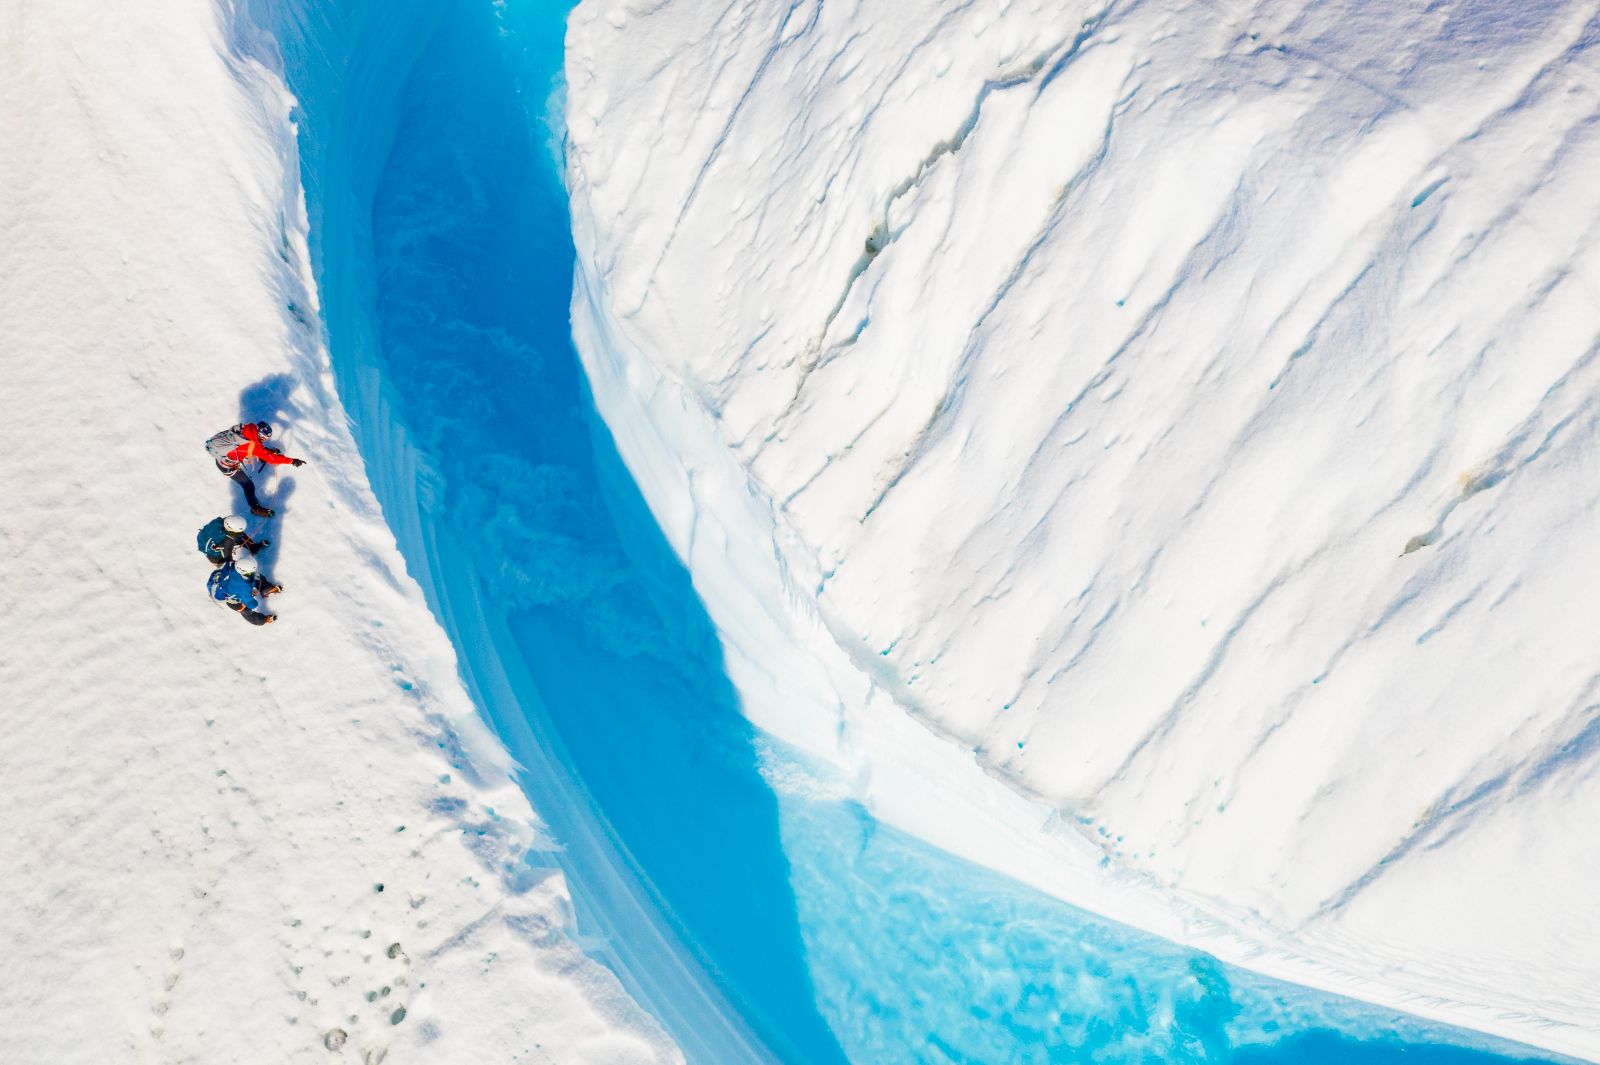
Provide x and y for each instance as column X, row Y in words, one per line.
column 256, row 449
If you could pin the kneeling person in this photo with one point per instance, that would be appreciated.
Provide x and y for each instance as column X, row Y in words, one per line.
column 220, row 538
column 237, row 586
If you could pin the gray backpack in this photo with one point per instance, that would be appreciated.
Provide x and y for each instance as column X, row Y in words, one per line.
column 224, row 442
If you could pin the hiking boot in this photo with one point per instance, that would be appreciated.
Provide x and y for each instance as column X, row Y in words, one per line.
column 263, row 512
column 272, row 589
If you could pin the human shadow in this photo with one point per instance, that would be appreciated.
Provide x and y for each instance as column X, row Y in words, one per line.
column 271, row 400
column 474, row 259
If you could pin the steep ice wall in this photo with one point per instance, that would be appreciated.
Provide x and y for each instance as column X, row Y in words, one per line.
column 1182, row 407
column 222, row 843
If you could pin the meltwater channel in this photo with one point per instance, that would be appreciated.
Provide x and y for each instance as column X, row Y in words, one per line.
column 756, row 925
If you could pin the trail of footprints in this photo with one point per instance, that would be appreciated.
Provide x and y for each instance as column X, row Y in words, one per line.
column 168, row 983
column 366, row 976
column 203, row 908
column 351, row 980
column 350, row 985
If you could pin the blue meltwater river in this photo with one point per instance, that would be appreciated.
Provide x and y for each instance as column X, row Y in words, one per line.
column 758, row 925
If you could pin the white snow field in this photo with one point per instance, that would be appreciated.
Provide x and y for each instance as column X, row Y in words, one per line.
column 223, row 843
column 1149, row 446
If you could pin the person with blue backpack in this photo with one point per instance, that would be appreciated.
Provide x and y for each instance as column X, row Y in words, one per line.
column 238, row 586
column 234, row 449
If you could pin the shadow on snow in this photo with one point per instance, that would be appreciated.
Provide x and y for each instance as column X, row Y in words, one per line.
column 267, row 401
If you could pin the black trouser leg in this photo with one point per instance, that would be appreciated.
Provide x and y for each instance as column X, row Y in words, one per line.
column 242, row 479
column 254, row 617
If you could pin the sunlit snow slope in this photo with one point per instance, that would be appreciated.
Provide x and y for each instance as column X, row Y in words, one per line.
column 1186, row 408
column 220, row 843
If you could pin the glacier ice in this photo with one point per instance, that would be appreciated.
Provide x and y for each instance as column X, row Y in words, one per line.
column 583, row 642
column 1162, row 425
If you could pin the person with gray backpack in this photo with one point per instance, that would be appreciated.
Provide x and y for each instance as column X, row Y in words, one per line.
column 233, row 449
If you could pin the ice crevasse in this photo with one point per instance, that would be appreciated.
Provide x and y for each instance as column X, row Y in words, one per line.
column 1144, row 445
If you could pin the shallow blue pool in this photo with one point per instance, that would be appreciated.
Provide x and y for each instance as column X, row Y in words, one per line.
column 758, row 926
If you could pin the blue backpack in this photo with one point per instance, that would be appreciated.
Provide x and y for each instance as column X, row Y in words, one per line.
column 214, row 541
column 228, row 585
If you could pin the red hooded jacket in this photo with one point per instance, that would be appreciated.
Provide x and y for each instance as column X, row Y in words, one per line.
column 252, row 448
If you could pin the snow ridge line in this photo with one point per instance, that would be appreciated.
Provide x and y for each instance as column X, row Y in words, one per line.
column 882, row 235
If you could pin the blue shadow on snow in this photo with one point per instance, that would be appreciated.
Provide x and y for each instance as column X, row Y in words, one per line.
column 267, row 400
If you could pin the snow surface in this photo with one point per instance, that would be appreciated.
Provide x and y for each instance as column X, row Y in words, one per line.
column 1143, row 445
column 224, row 843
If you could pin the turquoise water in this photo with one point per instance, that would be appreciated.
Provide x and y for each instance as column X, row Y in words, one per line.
column 758, row 926
column 918, row 956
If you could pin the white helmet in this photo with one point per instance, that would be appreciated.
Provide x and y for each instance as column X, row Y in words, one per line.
column 234, row 523
column 244, row 562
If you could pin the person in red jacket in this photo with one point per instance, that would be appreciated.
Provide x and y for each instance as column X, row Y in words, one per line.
column 245, row 443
